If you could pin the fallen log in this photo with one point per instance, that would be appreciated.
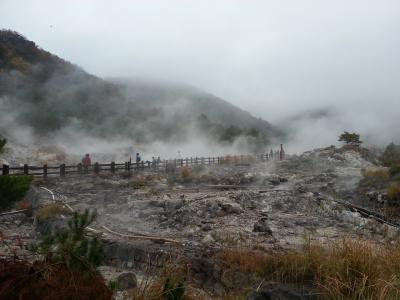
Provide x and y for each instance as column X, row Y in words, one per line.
column 14, row 212
column 368, row 214
column 143, row 237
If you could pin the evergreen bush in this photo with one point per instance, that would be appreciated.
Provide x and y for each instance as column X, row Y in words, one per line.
column 13, row 189
column 71, row 245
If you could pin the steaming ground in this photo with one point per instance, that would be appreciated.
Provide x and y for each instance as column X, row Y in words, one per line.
column 263, row 205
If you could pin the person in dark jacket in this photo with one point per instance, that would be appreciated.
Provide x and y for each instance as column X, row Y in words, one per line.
column 137, row 158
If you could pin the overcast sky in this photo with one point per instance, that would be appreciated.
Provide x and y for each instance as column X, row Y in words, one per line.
column 272, row 58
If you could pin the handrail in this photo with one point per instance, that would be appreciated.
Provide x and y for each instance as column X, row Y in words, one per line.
column 167, row 165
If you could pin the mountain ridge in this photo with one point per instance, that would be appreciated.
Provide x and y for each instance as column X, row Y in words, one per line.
column 49, row 95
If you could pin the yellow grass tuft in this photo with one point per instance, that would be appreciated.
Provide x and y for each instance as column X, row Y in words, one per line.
column 52, row 210
column 346, row 269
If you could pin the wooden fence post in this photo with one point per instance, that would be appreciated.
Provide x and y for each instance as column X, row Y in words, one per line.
column 113, row 167
column 142, row 165
column 96, row 168
column 218, row 160
column 148, row 164
column 6, row 169
column 62, row 170
column 26, row 169
column 80, row 169
column 45, row 170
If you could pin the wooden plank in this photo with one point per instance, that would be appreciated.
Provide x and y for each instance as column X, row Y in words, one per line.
column 16, row 168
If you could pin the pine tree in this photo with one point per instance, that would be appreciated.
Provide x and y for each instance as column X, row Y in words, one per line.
column 350, row 138
column 71, row 245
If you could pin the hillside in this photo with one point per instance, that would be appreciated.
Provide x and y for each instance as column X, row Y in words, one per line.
column 45, row 93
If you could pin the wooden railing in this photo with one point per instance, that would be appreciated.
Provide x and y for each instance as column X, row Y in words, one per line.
column 113, row 167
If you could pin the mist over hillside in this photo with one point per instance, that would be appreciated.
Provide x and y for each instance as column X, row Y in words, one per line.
column 45, row 99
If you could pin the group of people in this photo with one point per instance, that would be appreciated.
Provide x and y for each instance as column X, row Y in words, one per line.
column 87, row 162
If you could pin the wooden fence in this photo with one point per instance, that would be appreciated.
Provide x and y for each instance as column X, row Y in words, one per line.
column 113, row 167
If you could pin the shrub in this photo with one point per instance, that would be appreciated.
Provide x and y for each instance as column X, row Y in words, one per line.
column 350, row 138
column 394, row 170
column 42, row 280
column 138, row 183
column 391, row 155
column 71, row 246
column 186, row 174
column 394, row 193
column 376, row 178
column 391, row 158
column 3, row 142
column 113, row 285
column 169, row 284
column 173, row 291
column 52, row 210
column 13, row 189
column 25, row 204
column 377, row 173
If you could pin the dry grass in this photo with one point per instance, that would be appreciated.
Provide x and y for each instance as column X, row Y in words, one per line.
column 249, row 158
column 138, row 183
column 153, row 287
column 343, row 270
column 375, row 178
column 393, row 208
column 52, row 210
column 25, row 204
column 381, row 173
column 394, row 192
column 186, row 174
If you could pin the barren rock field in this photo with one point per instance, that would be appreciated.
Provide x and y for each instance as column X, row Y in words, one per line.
column 195, row 216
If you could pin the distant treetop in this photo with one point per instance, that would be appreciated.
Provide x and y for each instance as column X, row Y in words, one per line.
column 350, row 138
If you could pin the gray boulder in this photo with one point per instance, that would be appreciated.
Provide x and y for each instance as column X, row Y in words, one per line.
column 279, row 293
column 262, row 226
column 127, row 281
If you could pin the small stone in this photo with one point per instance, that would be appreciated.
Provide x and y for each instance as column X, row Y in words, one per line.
column 206, row 227
column 127, row 281
column 262, row 226
column 232, row 208
column 208, row 239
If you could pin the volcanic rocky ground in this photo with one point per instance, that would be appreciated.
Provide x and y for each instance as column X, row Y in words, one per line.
column 263, row 205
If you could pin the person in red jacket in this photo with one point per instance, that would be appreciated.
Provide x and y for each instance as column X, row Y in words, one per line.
column 86, row 162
